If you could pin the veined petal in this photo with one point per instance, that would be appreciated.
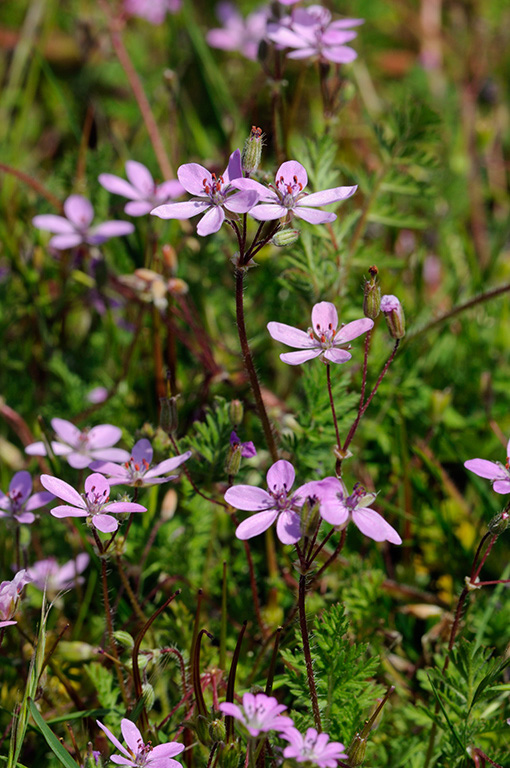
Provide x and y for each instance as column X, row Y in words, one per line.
column 78, row 460
column 373, row 525
column 38, row 500
column 138, row 207
column 256, row 524
column 242, row 202
column 303, row 52
column 264, row 193
column 488, row 469
column 269, row 212
column 337, row 36
column 109, row 468
column 312, row 216
column 62, row 490
column 333, row 511
column 353, row 330
column 181, row 210
column 50, row 222
column 140, row 177
column 131, row 734
column 21, row 485
column 168, row 465
column 170, row 749
column 105, row 523
column 340, row 54
column 346, row 23
column 118, row 186
column 97, row 485
column 120, row 507
column 142, row 451
column 119, row 760
column 337, row 355
column 110, row 454
column 169, row 189
column 192, row 177
column 500, row 486
column 64, row 511
column 63, row 242
column 280, row 476
column 296, row 358
column 324, row 317
column 294, row 337
column 66, row 431
column 291, row 170
column 233, row 169
column 288, row 527
column 211, row 221
column 249, row 498
column 113, row 739
column 327, row 196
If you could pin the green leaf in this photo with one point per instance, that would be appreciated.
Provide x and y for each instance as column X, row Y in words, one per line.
column 54, row 744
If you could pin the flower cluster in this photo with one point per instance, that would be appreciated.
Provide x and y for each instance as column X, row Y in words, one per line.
column 81, row 447
column 141, row 755
column 10, row 594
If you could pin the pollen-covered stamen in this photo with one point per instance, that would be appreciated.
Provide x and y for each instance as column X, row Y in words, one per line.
column 215, row 189
column 96, row 501
column 357, row 492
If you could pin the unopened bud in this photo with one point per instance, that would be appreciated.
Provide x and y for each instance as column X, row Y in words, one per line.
column 148, row 696
column 124, row 638
column 230, row 755
column 394, row 314
column 372, row 295
column 252, row 150
column 285, row 237
column 233, row 461
column 357, row 751
column 92, row 758
column 170, row 258
column 217, row 730
column 310, row 516
column 499, row 522
column 201, row 728
column 235, row 412
column 168, row 419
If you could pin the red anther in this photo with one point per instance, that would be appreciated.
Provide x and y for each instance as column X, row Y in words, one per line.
column 207, row 189
column 295, row 179
column 137, row 467
column 126, row 463
column 311, row 334
column 145, row 463
column 213, row 176
column 204, row 182
column 507, row 465
column 289, row 188
column 300, row 187
column 323, row 338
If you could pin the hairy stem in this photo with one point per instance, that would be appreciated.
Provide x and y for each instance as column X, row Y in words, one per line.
column 306, row 650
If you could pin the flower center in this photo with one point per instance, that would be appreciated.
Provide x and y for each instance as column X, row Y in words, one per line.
column 289, row 192
column 96, row 501
column 309, row 745
column 325, row 336
column 15, row 497
column 357, row 492
column 215, row 189
column 136, row 470
column 279, row 494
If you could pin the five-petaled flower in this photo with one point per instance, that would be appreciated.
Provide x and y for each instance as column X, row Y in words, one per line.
column 49, row 575
column 497, row 473
column 324, row 339
column 141, row 190
column 18, row 503
column 10, row 593
column 141, row 755
column 237, row 33
column 337, row 508
column 137, row 471
column 81, row 447
column 74, row 228
column 313, row 747
column 287, row 197
column 94, row 503
column 259, row 713
column 312, row 33
column 213, row 195
column 276, row 502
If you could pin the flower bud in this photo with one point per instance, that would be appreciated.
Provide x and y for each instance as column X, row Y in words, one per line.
column 233, row 461
column 285, row 237
column 357, row 751
column 499, row 522
column 252, row 150
column 124, row 639
column 148, row 696
column 168, row 419
column 170, row 258
column 201, row 728
column 230, row 755
column 92, row 758
column 372, row 295
column 394, row 314
column 235, row 412
column 217, row 730
column 310, row 516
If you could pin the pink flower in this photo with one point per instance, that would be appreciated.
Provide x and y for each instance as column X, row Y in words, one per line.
column 10, row 594
column 48, row 574
column 337, row 508
column 312, row 33
column 494, row 471
column 259, row 713
column 141, row 189
column 212, row 195
column 137, row 471
column 138, row 754
column 18, row 503
column 274, row 503
column 313, row 747
column 238, row 34
column 81, row 447
column 94, row 503
column 74, row 228
column 248, row 450
column 153, row 11
column 324, row 339
column 287, row 197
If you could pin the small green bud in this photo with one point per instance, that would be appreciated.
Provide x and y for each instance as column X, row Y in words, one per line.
column 285, row 237
column 217, row 730
column 124, row 638
column 499, row 522
column 230, row 755
column 310, row 516
column 252, row 150
column 235, row 412
column 92, row 758
column 168, row 419
column 148, row 696
column 394, row 314
column 201, row 728
column 233, row 462
column 372, row 295
column 357, row 751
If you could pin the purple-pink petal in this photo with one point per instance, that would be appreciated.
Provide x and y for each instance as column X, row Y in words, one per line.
column 487, row 469
column 63, row 242
column 257, row 523
column 290, row 169
column 241, row 202
column 78, row 460
column 105, row 523
column 353, row 330
column 142, row 451
column 110, row 454
column 340, row 55
column 38, row 500
column 181, row 210
column 138, row 207
column 168, row 465
column 288, row 527
column 109, row 468
column 192, row 176
column 280, row 476
column 79, row 211
column 211, row 221
column 324, row 317
column 62, row 490
column 500, row 486
column 26, row 518
column 170, row 749
column 249, row 498
column 234, row 168
column 337, row 355
column 371, row 524
column 327, row 196
column 49, row 222
column 268, row 212
column 140, row 177
column 169, row 189
column 97, row 485
column 116, row 743
column 66, row 431
column 65, row 511
column 312, row 216
column 104, row 436
column 108, row 229
column 294, row 337
column 232, row 710
column 120, row 507
column 118, row 186
column 296, row 358
column 131, row 734
column 21, row 483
